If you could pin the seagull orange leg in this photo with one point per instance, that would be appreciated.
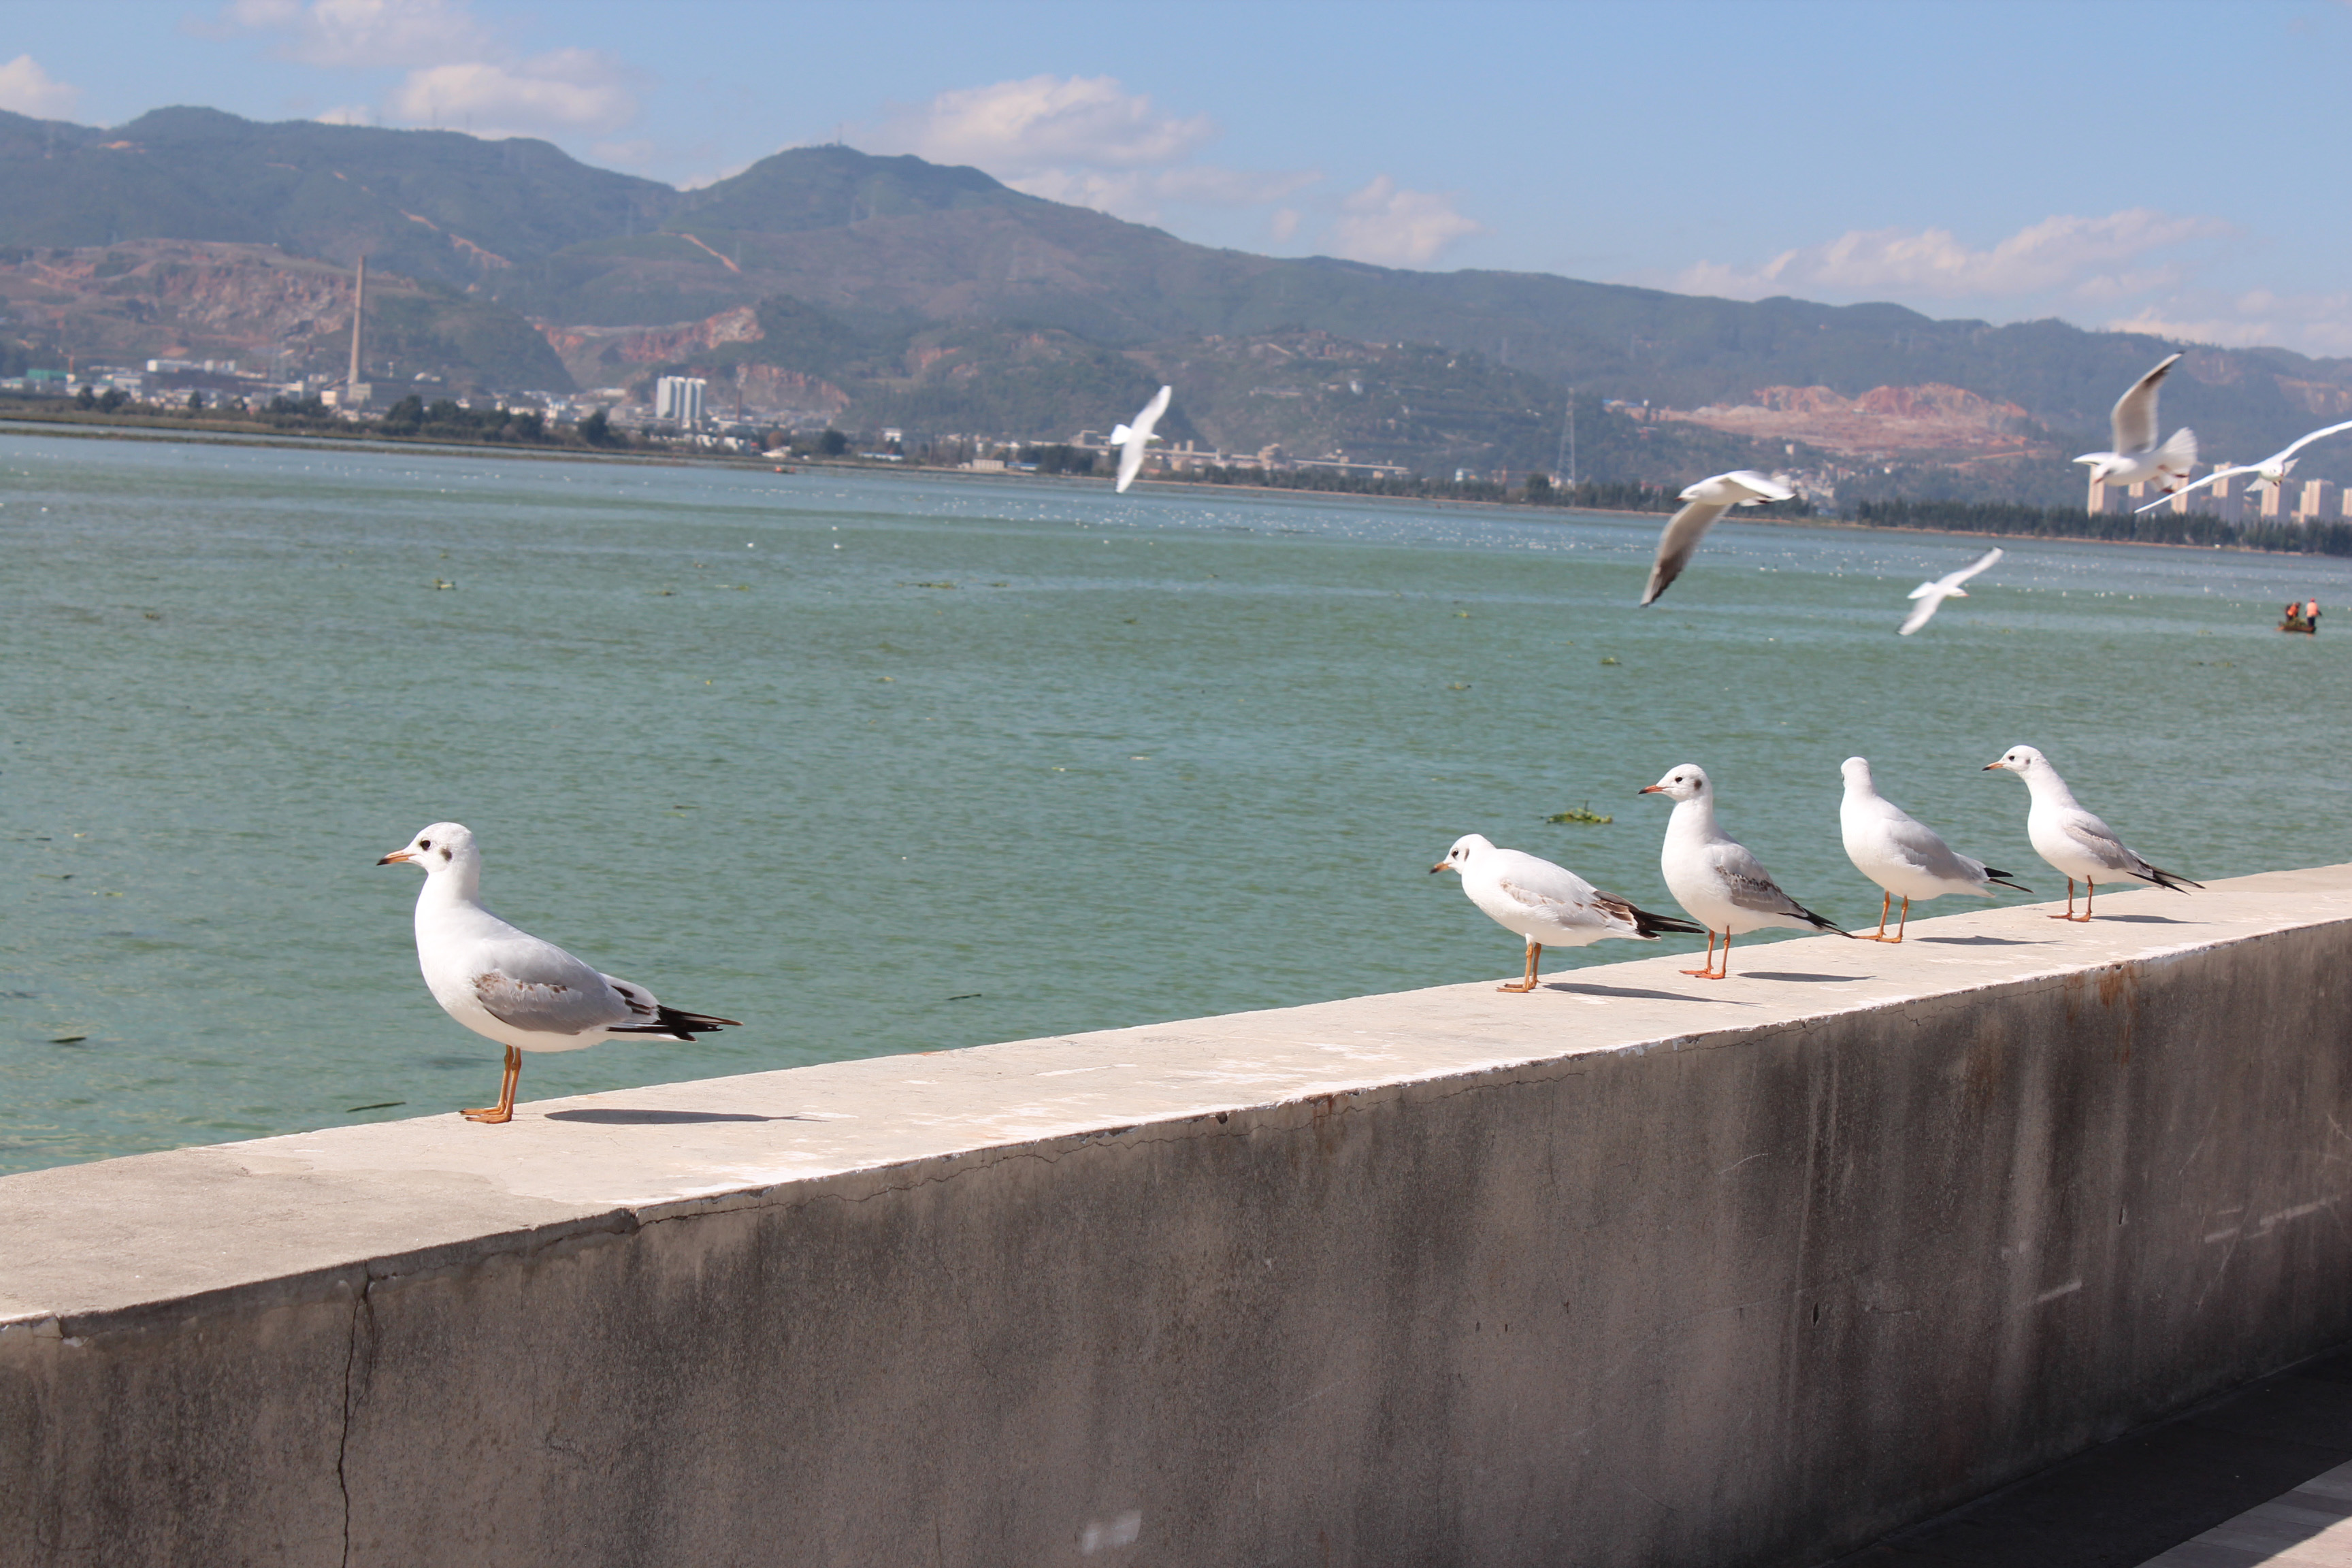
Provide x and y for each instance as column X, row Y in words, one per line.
column 1724, row 973
column 504, row 1109
column 1886, row 906
column 2069, row 902
column 1708, row 973
column 2088, row 889
column 1535, row 951
column 1901, row 924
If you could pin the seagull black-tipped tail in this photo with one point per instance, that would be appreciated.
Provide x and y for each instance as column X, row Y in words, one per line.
column 675, row 1025
column 1817, row 922
column 1647, row 924
column 2004, row 878
column 2164, row 878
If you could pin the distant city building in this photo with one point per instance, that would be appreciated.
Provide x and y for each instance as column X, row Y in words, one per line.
column 680, row 397
column 2321, row 498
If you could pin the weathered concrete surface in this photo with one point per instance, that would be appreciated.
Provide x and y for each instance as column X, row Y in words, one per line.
column 1637, row 1269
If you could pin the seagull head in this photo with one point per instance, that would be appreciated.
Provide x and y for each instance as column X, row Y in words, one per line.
column 1688, row 781
column 2018, row 760
column 1458, row 857
column 1857, row 773
column 438, row 849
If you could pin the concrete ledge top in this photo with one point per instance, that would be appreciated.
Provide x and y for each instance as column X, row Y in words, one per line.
column 117, row 1235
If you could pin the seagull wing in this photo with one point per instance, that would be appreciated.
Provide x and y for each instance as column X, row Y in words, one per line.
column 2134, row 413
column 1138, row 437
column 1925, row 611
column 1680, row 541
column 1749, row 885
column 2193, row 484
column 1152, row 413
column 2307, row 440
column 1965, row 572
column 2099, row 841
column 545, row 989
column 1130, row 460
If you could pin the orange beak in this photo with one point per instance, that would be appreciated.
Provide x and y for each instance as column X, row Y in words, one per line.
column 1648, row 789
column 1989, row 767
column 396, row 855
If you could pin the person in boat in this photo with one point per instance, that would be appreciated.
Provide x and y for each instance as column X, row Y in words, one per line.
column 2311, row 615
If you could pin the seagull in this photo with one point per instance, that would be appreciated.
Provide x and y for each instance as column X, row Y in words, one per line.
column 1903, row 854
column 1545, row 903
column 2075, row 843
column 1130, row 439
column 2271, row 470
column 525, row 994
column 1713, row 875
column 1931, row 596
column 1709, row 498
column 2137, row 456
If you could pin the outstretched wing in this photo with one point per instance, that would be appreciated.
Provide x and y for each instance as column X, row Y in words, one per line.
column 1924, row 612
column 2314, row 436
column 2134, row 413
column 1679, row 542
column 1965, row 572
column 2216, row 474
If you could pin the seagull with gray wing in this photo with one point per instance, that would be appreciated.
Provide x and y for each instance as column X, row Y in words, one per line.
column 1715, row 877
column 508, row 984
column 2075, row 843
column 1707, row 500
column 1548, row 905
column 1903, row 854
column 2136, row 458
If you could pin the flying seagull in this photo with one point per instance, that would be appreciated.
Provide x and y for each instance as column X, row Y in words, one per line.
column 1931, row 596
column 2075, row 843
column 1907, row 858
column 525, row 994
column 1708, row 499
column 2271, row 470
column 2137, row 456
column 1547, row 904
column 1715, row 877
column 1130, row 439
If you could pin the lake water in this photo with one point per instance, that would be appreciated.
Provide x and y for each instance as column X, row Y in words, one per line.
column 891, row 763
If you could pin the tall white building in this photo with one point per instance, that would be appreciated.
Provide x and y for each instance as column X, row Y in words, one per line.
column 679, row 397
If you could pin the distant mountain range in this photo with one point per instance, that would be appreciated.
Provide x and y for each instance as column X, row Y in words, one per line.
column 877, row 289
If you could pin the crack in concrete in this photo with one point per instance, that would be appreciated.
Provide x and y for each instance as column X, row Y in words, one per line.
column 360, row 1305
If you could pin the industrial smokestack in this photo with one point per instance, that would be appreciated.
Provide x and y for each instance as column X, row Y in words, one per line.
column 358, row 314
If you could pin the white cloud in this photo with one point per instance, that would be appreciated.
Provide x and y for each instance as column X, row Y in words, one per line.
column 460, row 74
column 1396, row 227
column 26, row 88
column 2308, row 323
column 571, row 89
column 368, row 34
column 1040, row 124
column 346, row 114
column 1085, row 140
column 2088, row 256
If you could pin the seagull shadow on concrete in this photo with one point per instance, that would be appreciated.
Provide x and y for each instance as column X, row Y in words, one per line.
column 1808, row 979
column 622, row 1117
column 2149, row 919
column 1631, row 990
column 1981, row 941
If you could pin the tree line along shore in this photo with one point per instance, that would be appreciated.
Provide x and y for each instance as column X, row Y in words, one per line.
column 445, row 423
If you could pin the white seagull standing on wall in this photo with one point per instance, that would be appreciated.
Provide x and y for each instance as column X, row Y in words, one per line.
column 1713, row 876
column 2075, row 843
column 2136, row 458
column 1549, row 905
column 1131, row 440
column 508, row 984
column 1709, row 498
column 1907, row 858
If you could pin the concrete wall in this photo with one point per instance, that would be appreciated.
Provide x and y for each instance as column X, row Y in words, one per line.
column 1636, row 1269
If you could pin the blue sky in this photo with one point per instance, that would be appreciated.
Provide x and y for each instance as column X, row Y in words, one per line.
column 2162, row 165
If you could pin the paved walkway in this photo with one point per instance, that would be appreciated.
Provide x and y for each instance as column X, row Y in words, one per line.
column 2259, row 1477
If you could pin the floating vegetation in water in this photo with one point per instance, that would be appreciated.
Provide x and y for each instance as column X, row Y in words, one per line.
column 1606, row 658
column 1583, row 814
column 1459, row 685
column 379, row 1105
column 442, row 582
column 929, row 584
column 68, row 1040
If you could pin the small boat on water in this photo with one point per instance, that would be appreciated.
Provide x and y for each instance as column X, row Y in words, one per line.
column 2302, row 616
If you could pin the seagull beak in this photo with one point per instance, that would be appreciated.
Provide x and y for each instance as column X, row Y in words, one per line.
column 395, row 854
column 1989, row 767
column 1648, row 789
column 1441, row 865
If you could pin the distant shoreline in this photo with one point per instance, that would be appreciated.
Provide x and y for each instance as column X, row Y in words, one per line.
column 228, row 433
